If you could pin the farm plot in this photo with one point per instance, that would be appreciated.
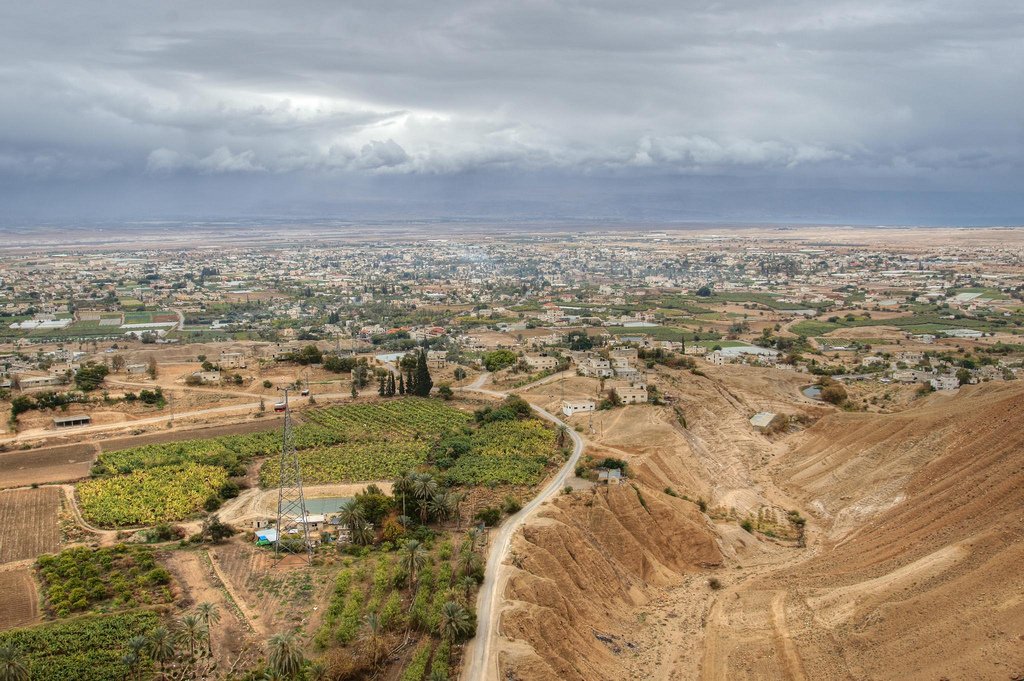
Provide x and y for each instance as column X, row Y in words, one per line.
column 162, row 494
column 29, row 521
column 378, row 441
column 21, row 602
column 122, row 576
column 83, row 648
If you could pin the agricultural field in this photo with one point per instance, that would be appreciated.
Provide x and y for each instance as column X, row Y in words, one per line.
column 120, row 577
column 352, row 462
column 406, row 418
column 434, row 605
column 381, row 440
column 153, row 495
column 29, row 521
column 82, row 648
column 505, row 452
column 21, row 602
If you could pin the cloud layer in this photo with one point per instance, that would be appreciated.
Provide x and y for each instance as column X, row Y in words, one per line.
column 867, row 94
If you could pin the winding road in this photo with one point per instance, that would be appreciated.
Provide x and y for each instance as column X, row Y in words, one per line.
column 481, row 660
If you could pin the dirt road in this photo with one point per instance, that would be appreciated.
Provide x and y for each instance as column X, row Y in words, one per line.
column 481, row 662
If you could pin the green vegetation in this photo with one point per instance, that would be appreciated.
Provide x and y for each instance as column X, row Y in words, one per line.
column 505, row 452
column 161, row 494
column 80, row 649
column 424, row 589
column 119, row 577
column 499, row 359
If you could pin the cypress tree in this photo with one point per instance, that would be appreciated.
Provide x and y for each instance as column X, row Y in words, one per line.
column 423, row 381
column 401, row 385
column 410, row 383
column 382, row 385
column 391, row 385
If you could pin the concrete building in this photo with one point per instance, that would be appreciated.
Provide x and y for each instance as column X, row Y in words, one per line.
column 232, row 360
column 632, row 395
column 70, row 421
column 541, row 362
column 570, row 407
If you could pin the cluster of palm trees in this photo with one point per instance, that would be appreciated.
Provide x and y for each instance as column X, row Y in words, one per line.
column 181, row 651
column 419, row 493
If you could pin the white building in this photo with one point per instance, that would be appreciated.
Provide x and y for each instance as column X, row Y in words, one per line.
column 570, row 407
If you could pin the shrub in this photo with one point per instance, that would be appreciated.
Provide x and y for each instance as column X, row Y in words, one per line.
column 834, row 394
column 714, row 584
column 488, row 516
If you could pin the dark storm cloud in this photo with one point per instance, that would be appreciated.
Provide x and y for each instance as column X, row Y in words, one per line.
column 868, row 94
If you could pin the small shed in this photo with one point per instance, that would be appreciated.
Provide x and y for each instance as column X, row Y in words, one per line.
column 70, row 421
column 609, row 476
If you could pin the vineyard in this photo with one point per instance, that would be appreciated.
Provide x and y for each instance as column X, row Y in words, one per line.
column 79, row 649
column 120, row 577
column 380, row 441
column 151, row 495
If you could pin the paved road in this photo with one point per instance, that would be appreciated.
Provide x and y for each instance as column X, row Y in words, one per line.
column 481, row 661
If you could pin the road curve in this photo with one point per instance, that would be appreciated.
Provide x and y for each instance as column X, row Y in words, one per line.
column 481, row 660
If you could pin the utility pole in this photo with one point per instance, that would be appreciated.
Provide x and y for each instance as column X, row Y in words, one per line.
column 291, row 501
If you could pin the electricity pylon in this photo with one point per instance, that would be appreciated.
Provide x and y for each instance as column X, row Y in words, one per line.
column 291, row 501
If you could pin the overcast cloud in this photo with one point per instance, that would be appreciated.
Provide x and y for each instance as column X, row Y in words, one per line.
column 287, row 106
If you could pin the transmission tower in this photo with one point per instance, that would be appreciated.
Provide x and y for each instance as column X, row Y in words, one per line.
column 291, row 501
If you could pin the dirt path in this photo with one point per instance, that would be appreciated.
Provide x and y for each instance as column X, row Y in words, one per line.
column 481, row 660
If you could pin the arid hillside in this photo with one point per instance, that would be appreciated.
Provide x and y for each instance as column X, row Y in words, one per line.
column 912, row 563
column 925, row 509
column 583, row 568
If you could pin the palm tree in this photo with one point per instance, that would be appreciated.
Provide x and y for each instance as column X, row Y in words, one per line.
column 424, row 488
column 469, row 562
column 191, row 632
column 413, row 558
column 131, row 660
column 404, row 487
column 161, row 646
column 208, row 611
column 316, row 671
column 361, row 533
column 454, row 622
column 350, row 513
column 440, row 505
column 473, row 535
column 372, row 637
column 12, row 666
column 285, row 655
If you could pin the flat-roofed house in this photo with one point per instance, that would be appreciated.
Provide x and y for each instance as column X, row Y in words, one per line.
column 570, row 407
column 632, row 395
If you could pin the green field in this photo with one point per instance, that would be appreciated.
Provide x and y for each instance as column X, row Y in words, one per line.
column 80, row 649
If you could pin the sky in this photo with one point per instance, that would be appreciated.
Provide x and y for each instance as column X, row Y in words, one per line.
column 865, row 111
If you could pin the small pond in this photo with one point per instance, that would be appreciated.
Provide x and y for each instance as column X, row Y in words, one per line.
column 812, row 391
column 325, row 505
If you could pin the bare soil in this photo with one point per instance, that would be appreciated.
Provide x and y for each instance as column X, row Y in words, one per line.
column 29, row 522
